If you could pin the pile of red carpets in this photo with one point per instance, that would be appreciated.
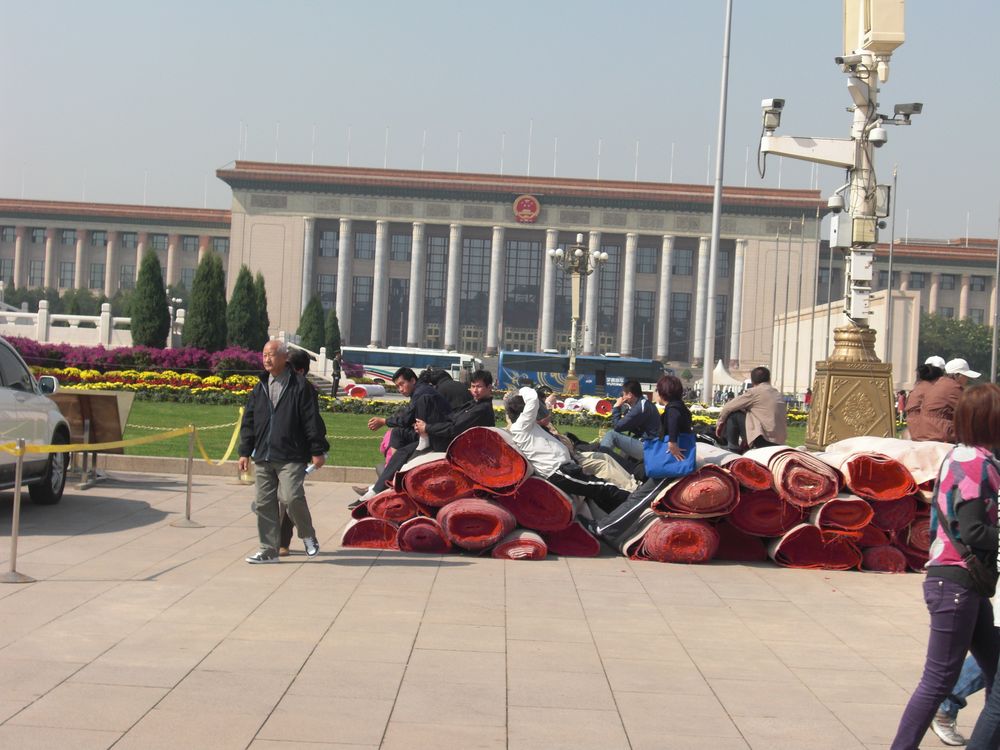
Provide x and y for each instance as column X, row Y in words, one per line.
column 849, row 508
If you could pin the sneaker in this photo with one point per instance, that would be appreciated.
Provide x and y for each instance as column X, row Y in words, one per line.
column 263, row 556
column 355, row 504
column 312, row 546
column 360, row 489
column 944, row 727
column 283, row 552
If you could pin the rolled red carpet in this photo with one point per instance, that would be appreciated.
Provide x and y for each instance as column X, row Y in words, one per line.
column 485, row 456
column 806, row 546
column 763, row 513
column 738, row 546
column 877, row 477
column 373, row 533
column 392, row 506
column 802, row 479
column 750, row 474
column 893, row 515
column 521, row 544
column 842, row 514
column 436, row 483
column 883, row 559
column 918, row 535
column 708, row 492
column 573, row 541
column 539, row 505
column 872, row 536
column 678, row 540
column 915, row 559
column 475, row 524
column 422, row 534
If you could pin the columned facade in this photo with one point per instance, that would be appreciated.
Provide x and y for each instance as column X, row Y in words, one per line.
column 380, row 284
column 110, row 256
column 344, row 275
column 628, row 295
column 663, row 304
column 78, row 262
column 701, row 301
column 454, row 285
column 308, row 251
column 498, row 259
column 737, row 319
column 547, row 338
column 418, row 278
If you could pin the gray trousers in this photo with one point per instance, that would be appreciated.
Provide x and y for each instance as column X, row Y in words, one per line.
column 280, row 481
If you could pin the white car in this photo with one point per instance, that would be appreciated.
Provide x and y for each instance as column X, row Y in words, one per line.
column 26, row 412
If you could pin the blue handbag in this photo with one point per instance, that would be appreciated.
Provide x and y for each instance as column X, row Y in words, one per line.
column 660, row 464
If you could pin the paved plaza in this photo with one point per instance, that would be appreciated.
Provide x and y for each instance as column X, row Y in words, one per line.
column 139, row 634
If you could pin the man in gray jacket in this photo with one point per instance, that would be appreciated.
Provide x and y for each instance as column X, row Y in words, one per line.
column 756, row 418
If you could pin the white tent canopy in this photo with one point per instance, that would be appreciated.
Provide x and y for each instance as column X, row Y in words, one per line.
column 721, row 378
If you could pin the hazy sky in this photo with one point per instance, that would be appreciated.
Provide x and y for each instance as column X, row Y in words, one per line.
column 101, row 97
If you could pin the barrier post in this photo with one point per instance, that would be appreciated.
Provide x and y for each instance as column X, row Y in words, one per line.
column 186, row 522
column 12, row 576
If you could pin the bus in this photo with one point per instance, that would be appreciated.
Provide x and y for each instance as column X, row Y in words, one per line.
column 380, row 364
column 601, row 375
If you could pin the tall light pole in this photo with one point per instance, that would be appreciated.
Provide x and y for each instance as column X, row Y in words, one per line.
column 576, row 261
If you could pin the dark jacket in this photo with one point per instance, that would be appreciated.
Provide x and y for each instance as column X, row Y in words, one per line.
column 641, row 420
column 291, row 431
column 675, row 420
column 426, row 404
column 473, row 414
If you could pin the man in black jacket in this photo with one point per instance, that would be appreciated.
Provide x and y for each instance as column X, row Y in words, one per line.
column 282, row 431
column 475, row 413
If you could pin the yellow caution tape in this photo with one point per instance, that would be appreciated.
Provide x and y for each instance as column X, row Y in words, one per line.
column 11, row 448
column 229, row 450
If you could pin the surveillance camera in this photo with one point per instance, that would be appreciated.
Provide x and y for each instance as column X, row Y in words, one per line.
column 878, row 136
column 907, row 109
column 774, row 105
column 835, row 203
column 848, row 60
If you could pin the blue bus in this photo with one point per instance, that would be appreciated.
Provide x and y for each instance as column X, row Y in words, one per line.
column 380, row 364
column 598, row 375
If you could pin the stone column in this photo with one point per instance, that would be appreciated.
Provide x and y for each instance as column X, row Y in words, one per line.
column 932, row 297
column 498, row 267
column 79, row 280
column 590, row 306
column 628, row 295
column 345, row 251
column 308, row 253
column 110, row 255
column 701, row 304
column 19, row 275
column 173, row 272
column 453, row 288
column 49, row 272
column 204, row 241
column 548, row 336
column 904, row 282
column 663, row 300
column 737, row 316
column 418, row 287
column 380, row 285
column 963, row 297
column 993, row 304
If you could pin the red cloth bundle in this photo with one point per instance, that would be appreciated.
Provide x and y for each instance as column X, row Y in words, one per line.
column 806, row 546
column 678, row 540
column 392, row 506
column 802, row 479
column 422, row 534
column 484, row 455
column 763, row 513
column 883, row 558
column 474, row 523
column 521, row 544
column 915, row 559
column 372, row 533
column 750, row 474
column 707, row 492
column 539, row 505
column 893, row 515
column 872, row 536
column 918, row 535
column 738, row 546
column 436, row 483
column 874, row 476
column 842, row 514
column 573, row 541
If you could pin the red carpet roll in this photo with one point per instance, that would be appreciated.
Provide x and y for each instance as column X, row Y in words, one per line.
column 763, row 513
column 737, row 546
column 915, row 559
column 573, row 541
column 706, row 493
column 485, row 456
column 475, row 524
column 872, row 536
column 678, row 540
column 893, row 515
column 750, row 474
column 918, row 535
column 521, row 544
column 422, row 534
column 806, row 546
column 802, row 479
column 883, row 559
column 846, row 513
column 877, row 477
column 392, row 506
column 372, row 533
column 436, row 483
column 539, row 505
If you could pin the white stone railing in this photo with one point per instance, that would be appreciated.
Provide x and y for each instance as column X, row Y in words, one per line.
column 80, row 330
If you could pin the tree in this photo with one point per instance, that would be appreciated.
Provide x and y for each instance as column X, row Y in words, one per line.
column 263, row 322
column 150, row 318
column 950, row 338
column 241, row 314
column 310, row 332
column 332, row 330
column 205, row 325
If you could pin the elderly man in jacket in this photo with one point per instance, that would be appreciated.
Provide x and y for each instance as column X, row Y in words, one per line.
column 756, row 418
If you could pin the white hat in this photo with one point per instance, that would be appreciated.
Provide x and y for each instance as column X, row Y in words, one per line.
column 960, row 367
column 935, row 361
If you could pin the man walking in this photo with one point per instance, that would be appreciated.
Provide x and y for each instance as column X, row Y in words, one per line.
column 282, row 431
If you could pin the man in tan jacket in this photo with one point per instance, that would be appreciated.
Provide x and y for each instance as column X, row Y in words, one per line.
column 756, row 418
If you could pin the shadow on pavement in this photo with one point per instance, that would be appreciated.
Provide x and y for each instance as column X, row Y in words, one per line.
column 89, row 512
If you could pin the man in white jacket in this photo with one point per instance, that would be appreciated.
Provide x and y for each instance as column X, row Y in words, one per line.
column 551, row 459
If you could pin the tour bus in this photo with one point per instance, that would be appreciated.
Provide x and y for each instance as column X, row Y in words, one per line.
column 601, row 375
column 380, row 364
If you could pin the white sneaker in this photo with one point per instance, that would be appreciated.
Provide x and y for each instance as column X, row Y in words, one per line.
column 944, row 727
column 312, row 546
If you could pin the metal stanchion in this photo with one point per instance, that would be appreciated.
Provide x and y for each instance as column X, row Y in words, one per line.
column 12, row 576
column 186, row 522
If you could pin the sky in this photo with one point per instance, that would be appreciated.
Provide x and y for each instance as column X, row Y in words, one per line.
column 126, row 102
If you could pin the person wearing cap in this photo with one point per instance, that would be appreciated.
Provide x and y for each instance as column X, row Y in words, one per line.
column 940, row 401
column 927, row 374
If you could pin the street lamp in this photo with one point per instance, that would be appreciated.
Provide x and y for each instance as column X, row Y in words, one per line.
column 577, row 260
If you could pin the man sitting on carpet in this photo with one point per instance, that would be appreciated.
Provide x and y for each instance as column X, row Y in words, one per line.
column 475, row 413
column 633, row 419
column 755, row 419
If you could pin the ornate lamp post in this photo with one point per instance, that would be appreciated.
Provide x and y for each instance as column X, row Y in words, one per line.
column 577, row 261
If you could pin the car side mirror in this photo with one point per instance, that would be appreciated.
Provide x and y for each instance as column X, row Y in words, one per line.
column 47, row 384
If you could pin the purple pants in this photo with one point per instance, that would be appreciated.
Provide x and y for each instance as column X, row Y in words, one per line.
column 961, row 621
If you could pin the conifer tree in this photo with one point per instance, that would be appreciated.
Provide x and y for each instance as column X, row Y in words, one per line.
column 205, row 324
column 310, row 331
column 241, row 314
column 332, row 330
column 150, row 317
column 263, row 322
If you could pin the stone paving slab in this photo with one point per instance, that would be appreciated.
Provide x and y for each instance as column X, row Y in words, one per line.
column 139, row 634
